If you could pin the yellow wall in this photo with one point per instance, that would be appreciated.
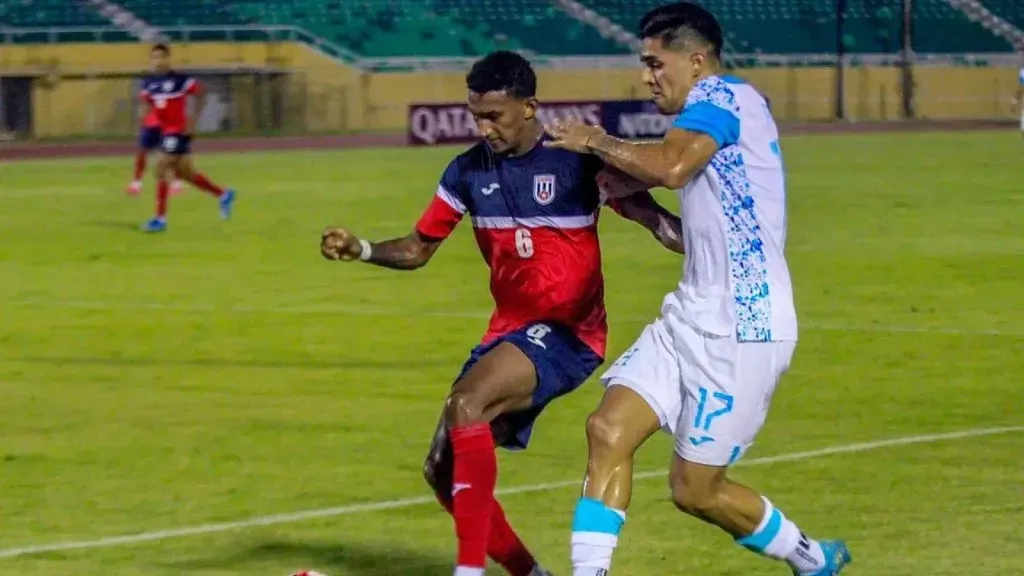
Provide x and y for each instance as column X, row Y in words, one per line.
column 85, row 91
column 325, row 95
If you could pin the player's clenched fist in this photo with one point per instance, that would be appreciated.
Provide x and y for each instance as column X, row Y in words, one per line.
column 339, row 244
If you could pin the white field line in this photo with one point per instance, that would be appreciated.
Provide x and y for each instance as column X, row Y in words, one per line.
column 468, row 314
column 408, row 502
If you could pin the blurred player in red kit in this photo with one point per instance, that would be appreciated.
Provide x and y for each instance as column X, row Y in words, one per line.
column 149, row 140
column 534, row 212
column 167, row 92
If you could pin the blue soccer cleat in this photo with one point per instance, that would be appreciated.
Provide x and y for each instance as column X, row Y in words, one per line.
column 837, row 556
column 227, row 203
column 157, row 224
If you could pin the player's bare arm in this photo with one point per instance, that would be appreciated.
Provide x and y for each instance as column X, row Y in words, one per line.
column 405, row 253
column 670, row 163
column 630, row 198
column 642, row 208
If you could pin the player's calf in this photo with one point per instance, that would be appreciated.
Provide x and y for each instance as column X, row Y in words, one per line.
column 503, row 546
column 503, row 380
column 615, row 431
column 706, row 493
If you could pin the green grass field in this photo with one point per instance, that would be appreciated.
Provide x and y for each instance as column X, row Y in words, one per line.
column 224, row 371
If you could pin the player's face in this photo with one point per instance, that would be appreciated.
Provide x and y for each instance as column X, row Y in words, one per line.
column 160, row 61
column 671, row 74
column 500, row 118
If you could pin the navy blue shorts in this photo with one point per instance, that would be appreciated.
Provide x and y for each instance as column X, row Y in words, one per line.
column 177, row 144
column 150, row 137
column 563, row 364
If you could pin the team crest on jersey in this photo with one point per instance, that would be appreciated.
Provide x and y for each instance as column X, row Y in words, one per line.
column 544, row 188
column 168, row 85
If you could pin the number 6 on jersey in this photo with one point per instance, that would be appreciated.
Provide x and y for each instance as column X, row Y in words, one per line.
column 524, row 243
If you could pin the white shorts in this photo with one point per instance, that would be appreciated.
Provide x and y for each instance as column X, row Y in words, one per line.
column 712, row 393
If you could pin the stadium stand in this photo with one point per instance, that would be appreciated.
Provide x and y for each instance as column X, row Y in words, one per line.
column 809, row 26
column 192, row 12
column 1010, row 10
column 47, row 13
column 540, row 25
column 380, row 28
column 383, row 28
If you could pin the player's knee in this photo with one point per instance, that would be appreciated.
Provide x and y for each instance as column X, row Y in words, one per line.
column 697, row 497
column 464, row 409
column 604, row 435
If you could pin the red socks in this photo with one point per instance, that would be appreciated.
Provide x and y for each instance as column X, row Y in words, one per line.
column 504, row 545
column 473, row 481
column 204, row 184
column 140, row 164
column 162, row 192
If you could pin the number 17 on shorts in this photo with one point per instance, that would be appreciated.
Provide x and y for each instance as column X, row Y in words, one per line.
column 711, row 393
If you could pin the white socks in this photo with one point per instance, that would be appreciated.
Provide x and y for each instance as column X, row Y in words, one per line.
column 778, row 537
column 595, row 533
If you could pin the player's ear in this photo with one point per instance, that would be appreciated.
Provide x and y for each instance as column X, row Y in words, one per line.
column 530, row 108
column 699, row 61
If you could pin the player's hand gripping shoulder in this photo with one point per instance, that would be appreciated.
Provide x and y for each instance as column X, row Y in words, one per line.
column 406, row 253
column 670, row 163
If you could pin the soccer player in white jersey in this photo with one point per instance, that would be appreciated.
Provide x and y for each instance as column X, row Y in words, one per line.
column 705, row 370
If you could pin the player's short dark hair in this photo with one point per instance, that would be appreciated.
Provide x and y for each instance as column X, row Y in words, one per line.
column 505, row 71
column 162, row 48
column 681, row 22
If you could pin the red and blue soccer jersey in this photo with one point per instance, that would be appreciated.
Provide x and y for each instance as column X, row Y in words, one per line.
column 535, row 221
column 168, row 95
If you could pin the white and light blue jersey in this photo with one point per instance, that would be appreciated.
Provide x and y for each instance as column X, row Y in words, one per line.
column 735, row 280
column 1020, row 76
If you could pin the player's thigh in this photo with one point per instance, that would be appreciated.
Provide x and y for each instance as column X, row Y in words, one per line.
column 650, row 370
column 185, row 166
column 502, row 380
column 728, row 387
column 164, row 164
column 622, row 422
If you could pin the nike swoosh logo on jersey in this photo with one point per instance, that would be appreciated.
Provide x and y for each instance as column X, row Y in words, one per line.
column 701, row 440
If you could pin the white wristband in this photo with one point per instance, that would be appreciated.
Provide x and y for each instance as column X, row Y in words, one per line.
column 367, row 250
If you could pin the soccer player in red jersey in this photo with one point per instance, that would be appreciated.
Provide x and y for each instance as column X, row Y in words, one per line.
column 167, row 92
column 149, row 140
column 534, row 211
